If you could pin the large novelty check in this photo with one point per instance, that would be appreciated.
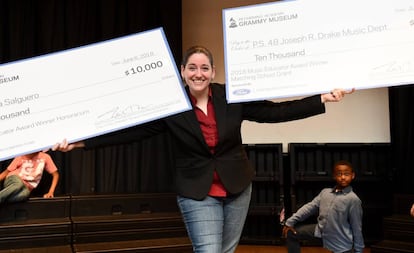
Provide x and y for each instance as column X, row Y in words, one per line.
column 290, row 48
column 87, row 91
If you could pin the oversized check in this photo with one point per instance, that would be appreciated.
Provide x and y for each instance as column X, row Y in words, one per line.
column 301, row 47
column 87, row 91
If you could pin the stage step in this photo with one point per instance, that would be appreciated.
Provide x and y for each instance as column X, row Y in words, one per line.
column 389, row 246
column 112, row 204
column 398, row 233
column 125, row 217
column 34, row 223
column 399, row 228
column 161, row 245
column 91, row 229
column 50, row 249
column 94, row 223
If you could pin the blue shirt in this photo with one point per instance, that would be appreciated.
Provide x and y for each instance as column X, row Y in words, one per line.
column 339, row 219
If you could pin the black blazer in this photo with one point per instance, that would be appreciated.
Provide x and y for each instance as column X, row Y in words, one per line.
column 194, row 163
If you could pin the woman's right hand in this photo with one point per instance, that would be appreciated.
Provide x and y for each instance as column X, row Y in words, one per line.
column 64, row 146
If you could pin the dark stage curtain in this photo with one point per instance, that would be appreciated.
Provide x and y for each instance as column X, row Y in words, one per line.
column 30, row 28
column 402, row 136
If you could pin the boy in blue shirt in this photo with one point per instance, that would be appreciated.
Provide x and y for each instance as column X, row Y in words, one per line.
column 339, row 213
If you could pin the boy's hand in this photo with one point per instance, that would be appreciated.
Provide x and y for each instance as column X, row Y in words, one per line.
column 286, row 229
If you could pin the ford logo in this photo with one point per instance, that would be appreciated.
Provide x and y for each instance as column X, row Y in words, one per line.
column 241, row 92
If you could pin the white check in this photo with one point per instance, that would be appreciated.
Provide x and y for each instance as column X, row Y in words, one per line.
column 87, row 91
column 301, row 47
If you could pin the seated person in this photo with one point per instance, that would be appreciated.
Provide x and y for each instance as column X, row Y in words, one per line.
column 24, row 174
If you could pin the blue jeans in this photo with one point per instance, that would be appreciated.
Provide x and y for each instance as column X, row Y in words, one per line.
column 14, row 190
column 303, row 232
column 214, row 225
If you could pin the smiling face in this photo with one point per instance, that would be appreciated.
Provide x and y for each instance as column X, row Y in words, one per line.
column 343, row 175
column 197, row 72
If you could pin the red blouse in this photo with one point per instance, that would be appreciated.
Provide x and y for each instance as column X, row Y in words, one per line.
column 209, row 129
